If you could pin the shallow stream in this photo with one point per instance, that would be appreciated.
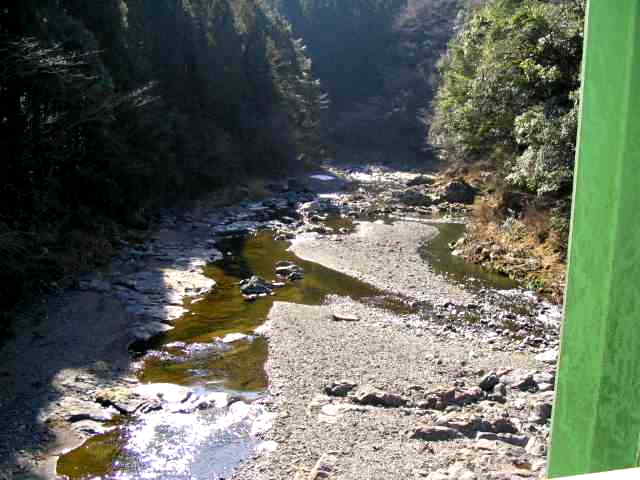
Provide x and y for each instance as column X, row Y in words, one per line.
column 209, row 444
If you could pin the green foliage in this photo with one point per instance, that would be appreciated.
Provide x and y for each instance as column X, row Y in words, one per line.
column 546, row 166
column 508, row 92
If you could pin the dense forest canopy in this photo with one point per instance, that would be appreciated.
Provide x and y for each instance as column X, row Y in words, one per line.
column 113, row 107
column 509, row 94
column 505, row 115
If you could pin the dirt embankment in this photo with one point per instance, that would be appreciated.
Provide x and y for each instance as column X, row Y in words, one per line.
column 519, row 235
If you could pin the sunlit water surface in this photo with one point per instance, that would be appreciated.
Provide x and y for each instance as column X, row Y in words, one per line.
column 209, row 444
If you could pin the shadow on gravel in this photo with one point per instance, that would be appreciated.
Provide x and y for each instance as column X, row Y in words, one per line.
column 64, row 349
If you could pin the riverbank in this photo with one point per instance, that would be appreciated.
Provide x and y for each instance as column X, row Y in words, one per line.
column 519, row 235
column 429, row 394
column 75, row 345
column 70, row 376
column 357, row 399
column 389, row 251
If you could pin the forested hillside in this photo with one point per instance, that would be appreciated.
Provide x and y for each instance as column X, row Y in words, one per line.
column 112, row 108
column 506, row 113
column 377, row 59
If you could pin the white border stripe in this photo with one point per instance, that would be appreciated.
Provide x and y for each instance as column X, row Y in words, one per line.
column 633, row 473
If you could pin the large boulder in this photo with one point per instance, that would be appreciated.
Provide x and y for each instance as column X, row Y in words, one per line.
column 413, row 197
column 420, row 180
column 459, row 191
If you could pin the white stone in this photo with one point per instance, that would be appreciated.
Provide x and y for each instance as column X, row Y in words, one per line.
column 550, row 356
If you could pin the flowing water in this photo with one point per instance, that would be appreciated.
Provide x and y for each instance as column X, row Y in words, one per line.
column 209, row 444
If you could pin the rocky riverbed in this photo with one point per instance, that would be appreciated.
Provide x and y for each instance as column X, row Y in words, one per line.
column 378, row 365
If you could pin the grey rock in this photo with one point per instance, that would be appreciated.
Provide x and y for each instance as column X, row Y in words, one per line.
column 543, row 405
column 124, row 400
column 520, row 380
column 500, row 389
column 469, row 395
column 102, row 415
column 511, row 439
column 91, row 427
column 536, row 446
column 550, row 356
column 469, row 424
column 145, row 331
column 496, row 397
column 344, row 317
column 339, row 389
column 235, row 337
column 297, row 275
column 375, row 397
column 489, row 381
column 463, row 423
column 503, row 425
column 441, row 399
column 436, row 433
column 255, row 286
column 543, row 412
column 544, row 377
column 545, row 387
column 287, row 268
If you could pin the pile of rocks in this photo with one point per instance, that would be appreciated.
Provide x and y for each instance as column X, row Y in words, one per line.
column 255, row 287
column 508, row 409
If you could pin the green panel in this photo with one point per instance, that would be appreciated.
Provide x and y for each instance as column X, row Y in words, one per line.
column 596, row 422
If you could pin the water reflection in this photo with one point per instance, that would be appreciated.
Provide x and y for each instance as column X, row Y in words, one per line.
column 209, row 444
column 438, row 254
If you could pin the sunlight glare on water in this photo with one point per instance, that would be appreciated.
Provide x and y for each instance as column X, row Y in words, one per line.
column 186, row 446
column 323, row 178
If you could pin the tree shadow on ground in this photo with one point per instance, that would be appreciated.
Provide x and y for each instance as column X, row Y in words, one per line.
column 73, row 343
